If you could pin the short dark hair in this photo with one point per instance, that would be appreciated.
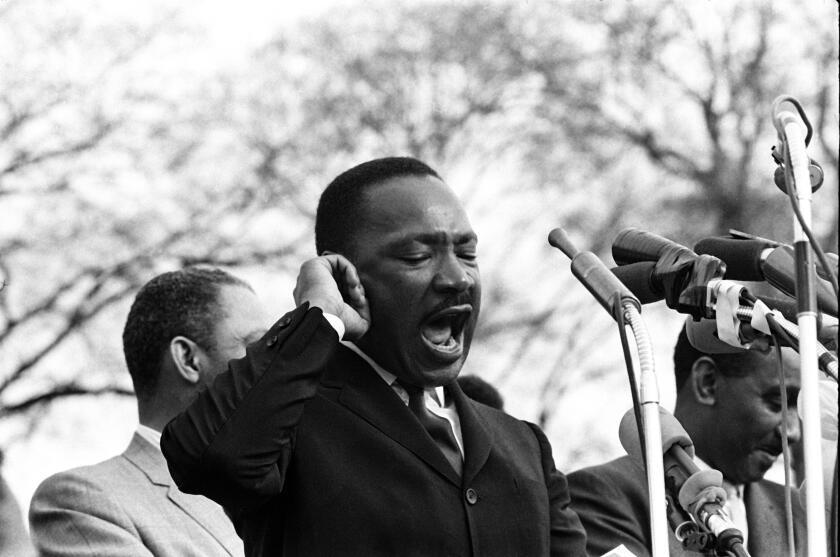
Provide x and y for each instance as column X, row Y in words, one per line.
column 730, row 364
column 340, row 205
column 178, row 303
column 481, row 391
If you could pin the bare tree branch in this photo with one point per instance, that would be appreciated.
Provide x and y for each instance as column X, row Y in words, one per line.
column 59, row 392
column 23, row 159
column 79, row 316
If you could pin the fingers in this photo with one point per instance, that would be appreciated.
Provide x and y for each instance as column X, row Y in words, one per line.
column 347, row 277
column 331, row 282
column 316, row 285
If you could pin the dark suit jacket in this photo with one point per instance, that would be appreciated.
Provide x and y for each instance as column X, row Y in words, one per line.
column 313, row 454
column 612, row 502
column 127, row 506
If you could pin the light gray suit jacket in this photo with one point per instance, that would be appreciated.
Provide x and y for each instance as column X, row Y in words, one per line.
column 127, row 505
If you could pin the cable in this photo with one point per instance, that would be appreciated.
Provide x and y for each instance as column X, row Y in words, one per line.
column 789, row 332
column 805, row 228
column 785, row 445
column 628, row 362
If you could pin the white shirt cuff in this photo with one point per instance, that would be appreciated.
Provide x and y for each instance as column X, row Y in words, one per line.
column 336, row 323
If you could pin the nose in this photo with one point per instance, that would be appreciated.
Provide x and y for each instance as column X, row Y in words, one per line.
column 792, row 427
column 451, row 275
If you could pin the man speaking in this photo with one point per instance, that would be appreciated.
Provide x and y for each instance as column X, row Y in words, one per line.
column 368, row 446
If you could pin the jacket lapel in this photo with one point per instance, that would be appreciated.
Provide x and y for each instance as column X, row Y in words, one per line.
column 477, row 441
column 365, row 394
column 205, row 512
column 767, row 534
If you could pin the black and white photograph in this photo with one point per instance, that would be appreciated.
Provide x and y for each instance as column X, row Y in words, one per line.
column 419, row 278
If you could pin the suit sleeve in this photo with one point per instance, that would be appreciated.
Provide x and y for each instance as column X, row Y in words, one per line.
column 610, row 515
column 71, row 516
column 234, row 443
column 567, row 534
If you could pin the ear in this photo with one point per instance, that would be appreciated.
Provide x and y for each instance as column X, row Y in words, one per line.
column 185, row 355
column 704, row 379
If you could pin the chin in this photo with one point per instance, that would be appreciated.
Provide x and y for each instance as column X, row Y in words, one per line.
column 439, row 376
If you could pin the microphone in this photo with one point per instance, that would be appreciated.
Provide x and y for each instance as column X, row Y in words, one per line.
column 639, row 277
column 592, row 272
column 678, row 274
column 633, row 245
column 677, row 447
column 700, row 492
column 758, row 260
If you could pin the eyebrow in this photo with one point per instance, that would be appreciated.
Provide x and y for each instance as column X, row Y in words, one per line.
column 443, row 237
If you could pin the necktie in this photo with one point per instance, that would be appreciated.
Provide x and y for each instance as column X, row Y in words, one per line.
column 438, row 427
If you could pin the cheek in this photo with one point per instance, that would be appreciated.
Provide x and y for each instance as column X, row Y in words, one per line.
column 757, row 423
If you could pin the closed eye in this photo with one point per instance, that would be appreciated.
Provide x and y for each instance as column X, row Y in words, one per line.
column 414, row 257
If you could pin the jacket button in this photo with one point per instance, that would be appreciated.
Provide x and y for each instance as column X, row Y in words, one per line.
column 284, row 322
column 471, row 496
column 272, row 340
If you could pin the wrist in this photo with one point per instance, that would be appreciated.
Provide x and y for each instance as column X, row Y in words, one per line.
column 335, row 322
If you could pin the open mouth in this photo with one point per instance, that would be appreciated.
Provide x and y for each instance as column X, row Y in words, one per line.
column 443, row 331
column 772, row 451
column 769, row 454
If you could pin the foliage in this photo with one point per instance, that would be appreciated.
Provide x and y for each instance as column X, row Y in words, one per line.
column 116, row 163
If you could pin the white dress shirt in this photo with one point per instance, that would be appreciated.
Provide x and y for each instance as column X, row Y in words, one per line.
column 435, row 398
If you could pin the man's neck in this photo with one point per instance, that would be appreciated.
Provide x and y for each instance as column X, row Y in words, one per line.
column 386, row 375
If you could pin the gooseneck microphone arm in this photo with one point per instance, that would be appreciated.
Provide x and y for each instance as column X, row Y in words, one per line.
column 614, row 296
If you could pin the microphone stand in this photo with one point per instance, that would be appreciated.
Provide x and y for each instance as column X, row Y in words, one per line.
column 797, row 179
column 622, row 304
column 648, row 390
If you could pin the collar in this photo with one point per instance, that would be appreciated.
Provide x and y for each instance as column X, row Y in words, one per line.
column 149, row 434
column 437, row 393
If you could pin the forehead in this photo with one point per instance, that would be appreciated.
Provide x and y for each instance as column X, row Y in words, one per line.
column 403, row 202
column 763, row 369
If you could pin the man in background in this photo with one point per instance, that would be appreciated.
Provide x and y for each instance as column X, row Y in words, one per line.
column 730, row 405
column 182, row 329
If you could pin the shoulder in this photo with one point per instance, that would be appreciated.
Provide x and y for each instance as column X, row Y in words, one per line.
column 510, row 431
column 92, row 473
column 766, row 491
column 494, row 416
column 617, row 478
column 114, row 479
column 80, row 495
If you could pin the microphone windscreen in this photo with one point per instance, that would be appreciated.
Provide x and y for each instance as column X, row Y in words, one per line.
column 638, row 277
column 742, row 257
column 780, row 270
column 673, row 433
column 701, row 486
column 633, row 245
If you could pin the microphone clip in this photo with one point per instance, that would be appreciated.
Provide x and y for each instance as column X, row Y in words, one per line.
column 815, row 171
column 780, row 152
